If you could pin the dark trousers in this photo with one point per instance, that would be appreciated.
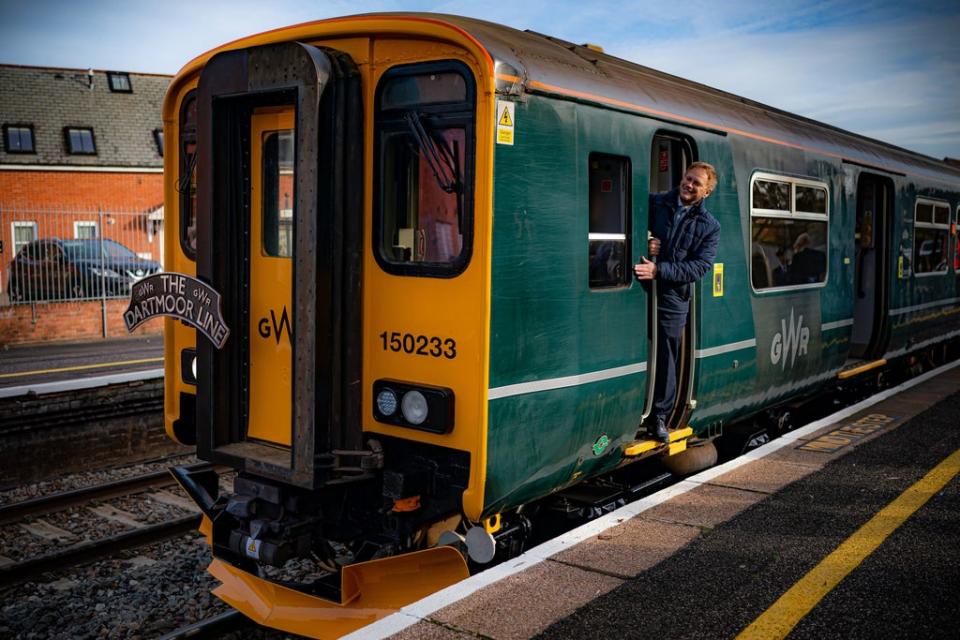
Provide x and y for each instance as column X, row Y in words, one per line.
column 669, row 335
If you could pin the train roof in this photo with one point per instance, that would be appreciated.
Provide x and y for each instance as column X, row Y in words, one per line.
column 549, row 65
column 526, row 61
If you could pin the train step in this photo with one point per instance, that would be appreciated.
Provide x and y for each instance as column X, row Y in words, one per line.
column 678, row 443
column 854, row 367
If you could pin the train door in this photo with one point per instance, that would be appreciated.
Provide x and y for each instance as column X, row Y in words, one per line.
column 870, row 331
column 278, row 236
column 271, row 274
column 670, row 156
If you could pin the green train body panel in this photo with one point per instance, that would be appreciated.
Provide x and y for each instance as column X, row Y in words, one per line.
column 546, row 323
column 552, row 422
column 917, row 313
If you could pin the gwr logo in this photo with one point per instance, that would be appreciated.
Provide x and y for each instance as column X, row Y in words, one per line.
column 791, row 342
column 275, row 326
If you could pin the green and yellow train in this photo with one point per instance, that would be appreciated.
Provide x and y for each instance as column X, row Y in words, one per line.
column 421, row 229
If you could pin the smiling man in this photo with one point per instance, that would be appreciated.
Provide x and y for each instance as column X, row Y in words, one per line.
column 685, row 238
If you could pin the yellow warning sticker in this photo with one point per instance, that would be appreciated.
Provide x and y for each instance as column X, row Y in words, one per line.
column 505, row 122
column 718, row 279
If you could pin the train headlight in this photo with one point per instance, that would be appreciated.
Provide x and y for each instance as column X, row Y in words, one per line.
column 414, row 407
column 188, row 366
column 387, row 402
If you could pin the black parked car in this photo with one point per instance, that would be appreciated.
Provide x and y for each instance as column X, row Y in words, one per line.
column 53, row 269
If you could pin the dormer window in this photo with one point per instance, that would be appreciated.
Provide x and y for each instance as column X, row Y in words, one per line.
column 80, row 141
column 158, row 138
column 18, row 138
column 119, row 82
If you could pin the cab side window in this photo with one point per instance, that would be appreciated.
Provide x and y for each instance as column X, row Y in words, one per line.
column 187, row 181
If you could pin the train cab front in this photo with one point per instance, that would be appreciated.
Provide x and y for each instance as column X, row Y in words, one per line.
column 341, row 396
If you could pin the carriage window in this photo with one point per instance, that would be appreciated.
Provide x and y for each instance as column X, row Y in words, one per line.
column 941, row 215
column 771, row 196
column 277, row 206
column 956, row 244
column 788, row 226
column 187, row 181
column 811, row 200
column 609, row 229
column 931, row 237
column 425, row 134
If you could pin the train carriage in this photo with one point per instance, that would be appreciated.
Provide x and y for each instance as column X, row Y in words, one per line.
column 421, row 229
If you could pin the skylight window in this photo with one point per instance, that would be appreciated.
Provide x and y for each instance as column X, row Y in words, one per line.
column 18, row 138
column 119, row 82
column 80, row 141
column 158, row 138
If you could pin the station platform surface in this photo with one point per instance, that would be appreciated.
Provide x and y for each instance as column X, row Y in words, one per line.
column 846, row 528
column 36, row 365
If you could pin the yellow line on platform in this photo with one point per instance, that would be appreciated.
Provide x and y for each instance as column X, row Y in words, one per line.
column 790, row 609
column 79, row 367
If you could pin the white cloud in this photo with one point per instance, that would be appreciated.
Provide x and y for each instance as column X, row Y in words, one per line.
column 878, row 80
column 875, row 67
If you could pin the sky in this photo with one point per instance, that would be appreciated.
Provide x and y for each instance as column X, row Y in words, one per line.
column 885, row 69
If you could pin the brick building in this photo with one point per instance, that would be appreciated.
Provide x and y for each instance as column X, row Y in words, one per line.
column 81, row 157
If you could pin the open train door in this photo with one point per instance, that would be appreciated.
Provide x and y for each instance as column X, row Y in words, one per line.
column 871, row 269
column 670, row 156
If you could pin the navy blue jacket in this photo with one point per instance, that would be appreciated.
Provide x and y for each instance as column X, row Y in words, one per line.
column 686, row 253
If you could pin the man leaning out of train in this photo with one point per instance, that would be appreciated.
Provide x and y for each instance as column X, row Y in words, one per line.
column 684, row 237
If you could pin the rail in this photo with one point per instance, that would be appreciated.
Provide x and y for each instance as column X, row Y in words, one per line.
column 212, row 627
column 90, row 550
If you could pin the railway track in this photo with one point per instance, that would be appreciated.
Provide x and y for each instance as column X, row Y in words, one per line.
column 212, row 627
column 89, row 550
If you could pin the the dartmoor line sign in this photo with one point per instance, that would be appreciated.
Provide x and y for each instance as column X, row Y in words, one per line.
column 181, row 297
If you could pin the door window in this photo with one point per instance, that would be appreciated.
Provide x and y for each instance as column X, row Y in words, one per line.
column 277, row 202
column 609, row 230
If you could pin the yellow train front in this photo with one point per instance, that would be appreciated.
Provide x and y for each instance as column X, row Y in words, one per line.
column 350, row 393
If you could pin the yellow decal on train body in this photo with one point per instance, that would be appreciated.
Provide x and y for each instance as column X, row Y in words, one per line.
column 717, row 279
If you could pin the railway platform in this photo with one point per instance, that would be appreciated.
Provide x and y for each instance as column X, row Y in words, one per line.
column 846, row 528
column 104, row 398
column 65, row 366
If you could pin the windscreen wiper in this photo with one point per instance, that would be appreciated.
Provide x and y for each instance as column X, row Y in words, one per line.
column 439, row 157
